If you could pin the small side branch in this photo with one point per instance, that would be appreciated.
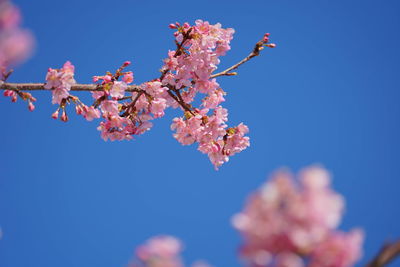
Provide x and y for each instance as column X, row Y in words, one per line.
column 387, row 253
column 256, row 51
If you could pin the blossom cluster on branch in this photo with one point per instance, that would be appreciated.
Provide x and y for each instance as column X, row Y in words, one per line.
column 127, row 110
column 286, row 223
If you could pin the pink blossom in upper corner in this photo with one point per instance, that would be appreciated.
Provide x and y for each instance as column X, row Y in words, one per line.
column 60, row 80
column 297, row 217
column 16, row 44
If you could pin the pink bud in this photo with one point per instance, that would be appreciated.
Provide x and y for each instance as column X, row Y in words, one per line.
column 267, row 34
column 14, row 98
column 55, row 115
column 265, row 39
column 172, row 26
column 186, row 25
column 85, row 109
column 78, row 110
column 7, row 93
column 64, row 117
column 126, row 63
column 31, row 106
column 95, row 78
column 271, row 45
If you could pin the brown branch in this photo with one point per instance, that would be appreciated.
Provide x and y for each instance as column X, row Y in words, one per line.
column 75, row 87
column 178, row 50
column 387, row 253
column 180, row 101
column 256, row 51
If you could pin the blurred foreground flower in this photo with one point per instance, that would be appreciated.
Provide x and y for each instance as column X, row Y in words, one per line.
column 161, row 251
column 15, row 43
column 293, row 224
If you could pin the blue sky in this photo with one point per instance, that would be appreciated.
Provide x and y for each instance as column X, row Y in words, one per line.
column 328, row 94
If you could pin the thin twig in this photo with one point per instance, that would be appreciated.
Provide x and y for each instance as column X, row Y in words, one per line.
column 387, row 253
column 256, row 51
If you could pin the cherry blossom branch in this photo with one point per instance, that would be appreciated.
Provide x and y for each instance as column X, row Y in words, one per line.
column 387, row 253
column 75, row 87
column 256, row 51
column 185, row 73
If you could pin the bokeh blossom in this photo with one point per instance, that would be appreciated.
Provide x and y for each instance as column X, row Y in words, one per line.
column 290, row 222
column 161, row 251
column 16, row 44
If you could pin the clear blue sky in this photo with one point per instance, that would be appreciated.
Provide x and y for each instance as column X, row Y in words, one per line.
column 328, row 94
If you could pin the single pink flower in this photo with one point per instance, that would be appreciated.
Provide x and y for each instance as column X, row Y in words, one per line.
column 118, row 89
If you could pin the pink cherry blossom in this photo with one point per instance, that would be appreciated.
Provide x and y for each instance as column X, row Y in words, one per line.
column 339, row 249
column 128, row 77
column 299, row 218
column 110, row 106
column 118, row 89
column 158, row 106
column 214, row 99
column 161, row 251
column 187, row 72
column 90, row 113
column 60, row 80
column 16, row 44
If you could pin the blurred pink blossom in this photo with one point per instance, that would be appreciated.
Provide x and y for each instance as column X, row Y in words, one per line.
column 287, row 220
column 16, row 44
column 161, row 251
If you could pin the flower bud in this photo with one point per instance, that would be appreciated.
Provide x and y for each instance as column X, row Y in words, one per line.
column 31, row 106
column 64, row 116
column 55, row 115
column 78, row 110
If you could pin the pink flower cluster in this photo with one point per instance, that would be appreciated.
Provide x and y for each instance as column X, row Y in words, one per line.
column 60, row 82
column 189, row 71
column 286, row 224
column 161, row 251
column 15, row 43
column 212, row 134
column 126, row 119
column 186, row 72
